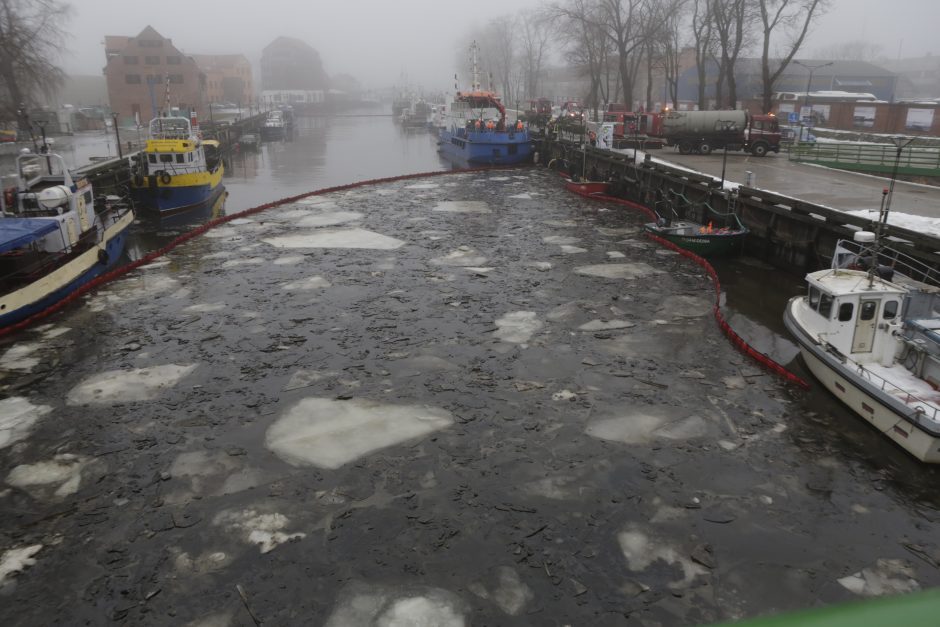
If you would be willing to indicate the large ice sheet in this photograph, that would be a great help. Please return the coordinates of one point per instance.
(328, 433)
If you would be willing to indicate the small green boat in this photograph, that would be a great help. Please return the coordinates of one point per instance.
(701, 239)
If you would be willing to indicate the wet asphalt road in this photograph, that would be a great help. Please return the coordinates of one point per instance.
(420, 402)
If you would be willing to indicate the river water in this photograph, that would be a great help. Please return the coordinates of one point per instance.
(463, 399)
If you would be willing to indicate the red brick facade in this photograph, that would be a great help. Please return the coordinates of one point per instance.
(142, 70)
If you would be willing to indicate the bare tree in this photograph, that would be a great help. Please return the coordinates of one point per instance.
(732, 20)
(587, 45)
(673, 16)
(703, 40)
(498, 57)
(31, 38)
(791, 20)
(627, 25)
(536, 34)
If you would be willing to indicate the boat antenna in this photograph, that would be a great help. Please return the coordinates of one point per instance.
(474, 66)
(900, 143)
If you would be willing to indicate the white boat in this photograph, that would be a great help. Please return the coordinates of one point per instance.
(869, 331)
(55, 236)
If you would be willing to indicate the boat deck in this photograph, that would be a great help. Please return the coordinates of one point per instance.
(914, 392)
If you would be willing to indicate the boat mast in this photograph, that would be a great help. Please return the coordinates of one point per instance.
(474, 66)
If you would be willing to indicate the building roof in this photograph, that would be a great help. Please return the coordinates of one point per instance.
(288, 42)
(844, 69)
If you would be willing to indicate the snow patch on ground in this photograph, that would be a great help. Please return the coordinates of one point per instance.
(328, 433)
(337, 238)
(17, 417)
(124, 386)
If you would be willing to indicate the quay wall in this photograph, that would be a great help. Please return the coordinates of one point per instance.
(791, 234)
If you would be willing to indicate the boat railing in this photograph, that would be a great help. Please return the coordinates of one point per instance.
(849, 253)
(923, 410)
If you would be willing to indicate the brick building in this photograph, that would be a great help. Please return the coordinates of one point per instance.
(228, 78)
(141, 71)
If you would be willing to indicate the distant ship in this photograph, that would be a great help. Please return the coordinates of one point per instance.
(476, 131)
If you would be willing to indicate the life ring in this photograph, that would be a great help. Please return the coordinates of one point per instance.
(165, 177)
(9, 197)
(103, 256)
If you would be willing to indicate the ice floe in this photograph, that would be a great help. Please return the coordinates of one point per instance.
(265, 529)
(153, 265)
(309, 283)
(463, 256)
(506, 589)
(572, 250)
(680, 306)
(61, 476)
(618, 270)
(422, 186)
(606, 325)
(17, 417)
(462, 206)
(329, 218)
(306, 378)
(642, 551)
(21, 357)
(124, 386)
(613, 254)
(885, 577)
(247, 261)
(365, 605)
(205, 307)
(522, 196)
(336, 238)
(517, 327)
(288, 260)
(643, 427)
(541, 266)
(318, 202)
(561, 239)
(16, 560)
(223, 232)
(328, 433)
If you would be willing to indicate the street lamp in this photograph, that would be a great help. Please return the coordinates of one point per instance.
(809, 83)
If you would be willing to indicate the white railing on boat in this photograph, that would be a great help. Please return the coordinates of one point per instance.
(923, 410)
(852, 253)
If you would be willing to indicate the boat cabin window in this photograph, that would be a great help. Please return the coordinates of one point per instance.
(152, 158)
(825, 306)
(813, 297)
(180, 158)
(869, 309)
(845, 312)
(891, 310)
(166, 158)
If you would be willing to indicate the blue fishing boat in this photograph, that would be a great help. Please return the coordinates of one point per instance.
(54, 236)
(476, 131)
(177, 171)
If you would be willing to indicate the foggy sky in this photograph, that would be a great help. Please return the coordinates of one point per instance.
(377, 40)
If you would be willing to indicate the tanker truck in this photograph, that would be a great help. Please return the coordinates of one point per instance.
(705, 131)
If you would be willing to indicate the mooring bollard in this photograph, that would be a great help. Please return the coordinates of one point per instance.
(749, 178)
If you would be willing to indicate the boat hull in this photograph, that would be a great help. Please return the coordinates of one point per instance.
(57, 285)
(183, 193)
(490, 148)
(863, 398)
(706, 244)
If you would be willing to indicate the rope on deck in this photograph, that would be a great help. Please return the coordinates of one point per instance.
(736, 340)
(196, 232)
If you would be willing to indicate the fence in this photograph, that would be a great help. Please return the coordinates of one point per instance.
(874, 158)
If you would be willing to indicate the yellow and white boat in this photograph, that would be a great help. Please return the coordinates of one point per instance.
(178, 170)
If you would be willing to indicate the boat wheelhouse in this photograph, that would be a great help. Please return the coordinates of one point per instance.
(870, 333)
(177, 171)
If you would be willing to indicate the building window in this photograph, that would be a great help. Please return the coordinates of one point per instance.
(173, 60)
(176, 79)
(152, 60)
(130, 60)
(132, 79)
(154, 78)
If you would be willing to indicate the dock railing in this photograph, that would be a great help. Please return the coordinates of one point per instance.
(874, 158)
